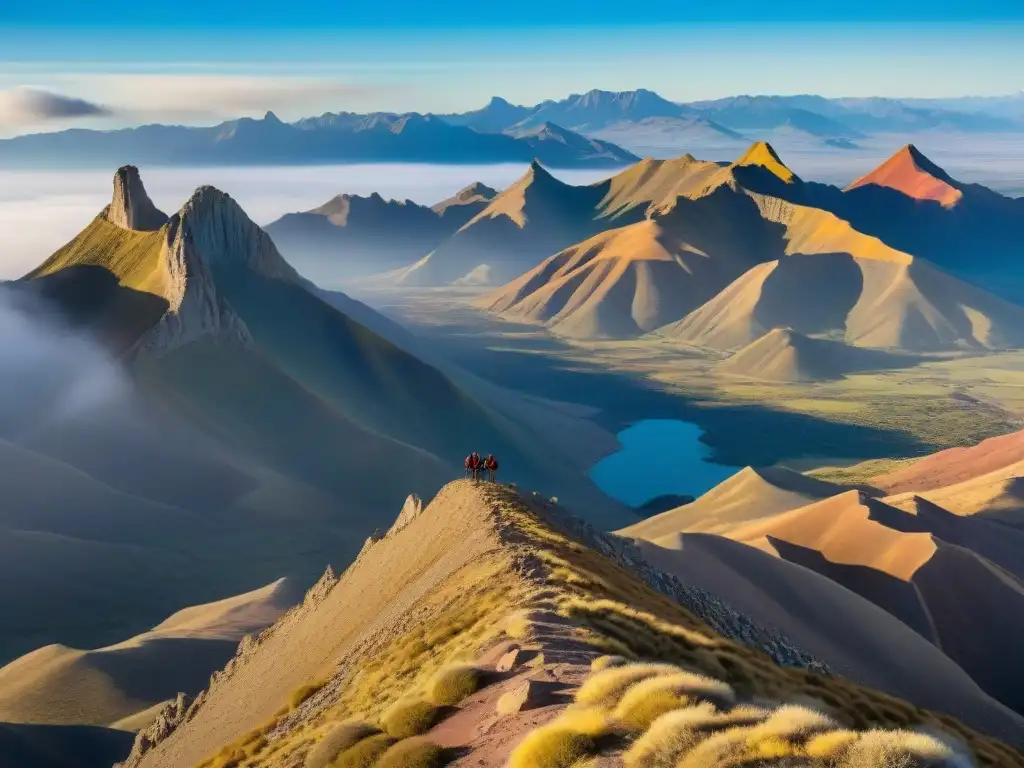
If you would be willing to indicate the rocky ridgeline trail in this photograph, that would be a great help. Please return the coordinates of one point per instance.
(717, 615)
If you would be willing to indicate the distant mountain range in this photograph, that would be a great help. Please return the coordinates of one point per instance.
(330, 138)
(597, 111)
(581, 130)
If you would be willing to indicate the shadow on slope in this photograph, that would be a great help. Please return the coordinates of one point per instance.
(61, 746)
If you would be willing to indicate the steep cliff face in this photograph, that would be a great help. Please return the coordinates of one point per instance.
(210, 234)
(131, 207)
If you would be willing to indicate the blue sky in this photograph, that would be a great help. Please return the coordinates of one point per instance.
(203, 60)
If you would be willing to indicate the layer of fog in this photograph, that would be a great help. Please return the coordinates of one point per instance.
(50, 374)
(42, 210)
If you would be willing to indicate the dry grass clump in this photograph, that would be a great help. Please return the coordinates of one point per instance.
(831, 744)
(564, 742)
(673, 734)
(898, 749)
(605, 688)
(518, 625)
(648, 699)
(411, 717)
(337, 740)
(365, 753)
(453, 683)
(606, 661)
(412, 753)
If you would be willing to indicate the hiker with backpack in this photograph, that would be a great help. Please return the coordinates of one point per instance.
(491, 465)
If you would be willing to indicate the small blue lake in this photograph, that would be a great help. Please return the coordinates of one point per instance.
(659, 457)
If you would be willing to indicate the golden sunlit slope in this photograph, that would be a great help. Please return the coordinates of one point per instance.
(955, 580)
(998, 495)
(983, 479)
(748, 495)
(66, 686)
(619, 284)
(914, 175)
(955, 465)
(655, 183)
(868, 302)
(785, 355)
(531, 592)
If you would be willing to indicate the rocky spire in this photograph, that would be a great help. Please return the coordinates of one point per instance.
(210, 234)
(131, 207)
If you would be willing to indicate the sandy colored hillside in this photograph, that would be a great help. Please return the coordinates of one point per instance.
(939, 573)
(526, 578)
(748, 495)
(619, 284)
(998, 495)
(785, 355)
(58, 685)
(869, 302)
(955, 465)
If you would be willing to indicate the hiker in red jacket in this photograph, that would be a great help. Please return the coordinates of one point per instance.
(491, 465)
(469, 466)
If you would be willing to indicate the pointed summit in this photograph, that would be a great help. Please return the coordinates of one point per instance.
(131, 207)
(210, 236)
(914, 175)
(762, 154)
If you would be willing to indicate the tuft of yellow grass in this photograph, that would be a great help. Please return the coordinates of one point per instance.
(412, 753)
(648, 699)
(606, 687)
(792, 722)
(897, 749)
(365, 753)
(830, 744)
(410, 717)
(606, 661)
(562, 743)
(336, 741)
(518, 625)
(453, 683)
(673, 734)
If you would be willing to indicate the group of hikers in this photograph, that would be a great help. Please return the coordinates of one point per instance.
(481, 469)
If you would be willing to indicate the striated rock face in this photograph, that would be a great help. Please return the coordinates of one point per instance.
(209, 233)
(131, 207)
(173, 714)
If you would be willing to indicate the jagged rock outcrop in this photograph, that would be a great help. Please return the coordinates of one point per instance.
(173, 714)
(131, 207)
(209, 234)
(411, 509)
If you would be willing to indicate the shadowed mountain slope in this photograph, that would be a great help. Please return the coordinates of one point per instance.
(526, 578)
(246, 426)
(940, 574)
